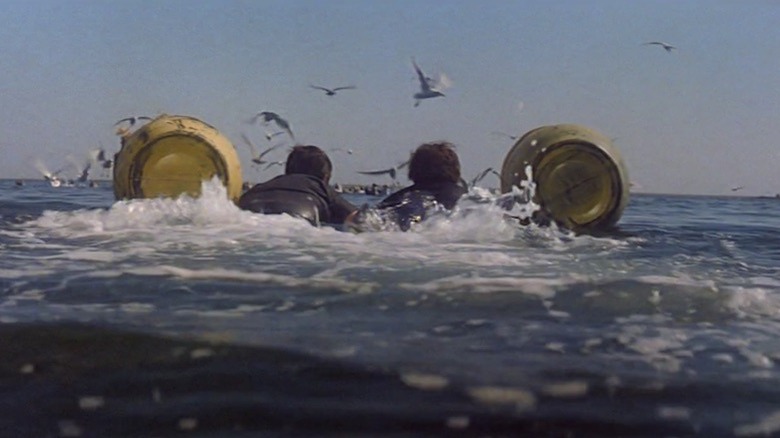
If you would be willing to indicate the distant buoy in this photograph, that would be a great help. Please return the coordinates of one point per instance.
(581, 180)
(173, 155)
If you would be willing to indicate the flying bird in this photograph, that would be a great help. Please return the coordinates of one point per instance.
(94, 157)
(133, 120)
(332, 91)
(275, 163)
(482, 175)
(504, 134)
(257, 158)
(84, 176)
(270, 135)
(429, 87)
(346, 151)
(393, 171)
(98, 157)
(737, 188)
(666, 46)
(268, 116)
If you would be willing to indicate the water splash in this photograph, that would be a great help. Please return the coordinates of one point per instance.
(209, 232)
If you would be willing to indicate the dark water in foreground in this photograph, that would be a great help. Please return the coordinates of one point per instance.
(189, 317)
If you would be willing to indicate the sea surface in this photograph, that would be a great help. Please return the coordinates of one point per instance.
(189, 317)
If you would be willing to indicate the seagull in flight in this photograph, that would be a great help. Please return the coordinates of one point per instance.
(269, 116)
(429, 87)
(332, 91)
(270, 135)
(95, 157)
(737, 188)
(482, 175)
(275, 163)
(257, 158)
(346, 151)
(666, 46)
(133, 120)
(98, 156)
(84, 175)
(393, 171)
(504, 134)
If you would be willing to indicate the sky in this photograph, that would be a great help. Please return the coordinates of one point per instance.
(698, 120)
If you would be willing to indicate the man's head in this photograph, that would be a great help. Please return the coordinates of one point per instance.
(309, 160)
(434, 162)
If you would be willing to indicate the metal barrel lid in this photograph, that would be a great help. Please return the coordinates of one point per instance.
(581, 180)
(172, 155)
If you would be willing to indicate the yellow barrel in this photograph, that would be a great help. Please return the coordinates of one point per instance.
(581, 180)
(171, 156)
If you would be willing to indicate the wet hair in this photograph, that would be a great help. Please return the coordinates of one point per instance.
(434, 162)
(309, 160)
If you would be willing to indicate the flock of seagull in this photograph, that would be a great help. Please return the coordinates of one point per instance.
(429, 88)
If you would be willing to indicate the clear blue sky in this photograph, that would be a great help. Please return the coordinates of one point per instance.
(699, 120)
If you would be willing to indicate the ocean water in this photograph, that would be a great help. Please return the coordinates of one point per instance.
(189, 317)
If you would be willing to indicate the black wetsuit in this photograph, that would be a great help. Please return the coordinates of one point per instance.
(298, 195)
(410, 204)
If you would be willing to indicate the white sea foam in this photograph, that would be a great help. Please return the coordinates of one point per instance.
(476, 234)
(679, 413)
(256, 277)
(521, 398)
(660, 347)
(764, 427)
(543, 288)
(90, 255)
(567, 389)
(473, 250)
(473, 222)
(681, 280)
(10, 274)
(754, 302)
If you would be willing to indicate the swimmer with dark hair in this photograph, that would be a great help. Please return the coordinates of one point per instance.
(434, 168)
(303, 191)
